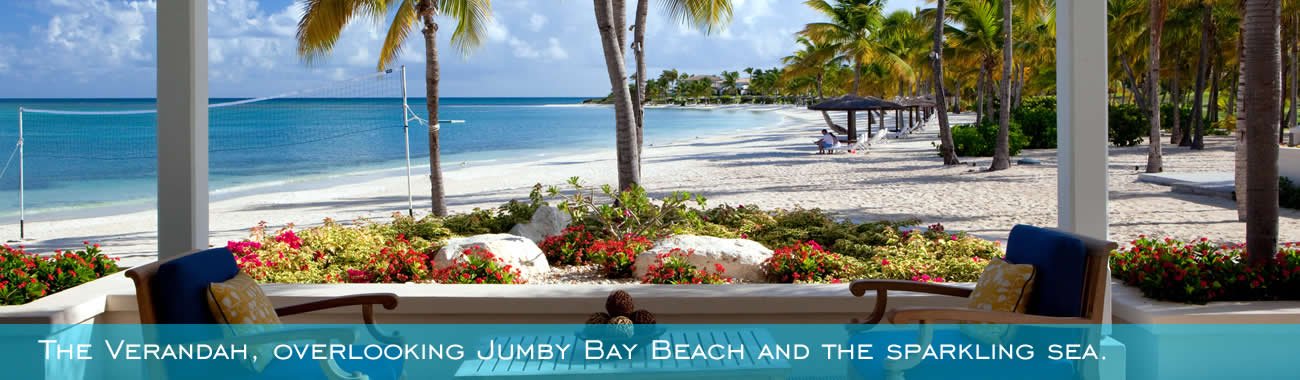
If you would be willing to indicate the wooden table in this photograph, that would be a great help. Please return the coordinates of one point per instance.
(640, 365)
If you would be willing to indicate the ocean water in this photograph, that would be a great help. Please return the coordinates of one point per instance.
(79, 161)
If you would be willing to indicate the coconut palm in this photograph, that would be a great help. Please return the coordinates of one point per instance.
(610, 22)
(850, 28)
(811, 61)
(730, 83)
(1155, 24)
(323, 21)
(946, 146)
(1263, 105)
(1002, 147)
(703, 14)
(977, 40)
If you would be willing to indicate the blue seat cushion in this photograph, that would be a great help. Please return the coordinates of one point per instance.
(1038, 368)
(180, 286)
(1059, 261)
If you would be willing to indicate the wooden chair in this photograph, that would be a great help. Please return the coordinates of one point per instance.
(172, 298)
(1069, 289)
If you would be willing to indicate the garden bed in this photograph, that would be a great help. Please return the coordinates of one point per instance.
(597, 236)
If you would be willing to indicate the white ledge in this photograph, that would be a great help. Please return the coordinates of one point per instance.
(1129, 306)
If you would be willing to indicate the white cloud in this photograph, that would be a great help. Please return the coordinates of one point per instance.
(497, 30)
(536, 22)
(554, 51)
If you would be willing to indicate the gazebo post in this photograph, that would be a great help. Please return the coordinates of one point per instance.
(853, 126)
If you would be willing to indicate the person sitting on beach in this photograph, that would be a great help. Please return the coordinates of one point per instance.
(827, 141)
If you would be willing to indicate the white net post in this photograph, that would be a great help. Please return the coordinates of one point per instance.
(406, 135)
(22, 177)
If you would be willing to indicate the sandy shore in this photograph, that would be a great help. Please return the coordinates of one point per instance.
(770, 167)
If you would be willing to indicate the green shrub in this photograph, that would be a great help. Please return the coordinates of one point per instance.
(932, 256)
(1037, 119)
(1199, 272)
(744, 220)
(569, 247)
(1288, 194)
(477, 265)
(25, 277)
(496, 221)
(334, 253)
(804, 263)
(1167, 117)
(617, 256)
(980, 140)
(629, 211)
(1128, 125)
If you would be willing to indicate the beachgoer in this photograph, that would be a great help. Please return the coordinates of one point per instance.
(827, 141)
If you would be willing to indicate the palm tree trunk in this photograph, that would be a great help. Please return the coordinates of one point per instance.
(638, 49)
(1177, 100)
(1263, 103)
(1239, 153)
(946, 147)
(432, 75)
(857, 77)
(979, 93)
(1290, 122)
(1216, 72)
(1002, 147)
(1155, 162)
(629, 173)
(1198, 126)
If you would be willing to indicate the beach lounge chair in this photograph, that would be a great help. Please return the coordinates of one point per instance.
(849, 145)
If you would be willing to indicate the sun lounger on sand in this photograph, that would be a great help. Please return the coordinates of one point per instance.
(849, 145)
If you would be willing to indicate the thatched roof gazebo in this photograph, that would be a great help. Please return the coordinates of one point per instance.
(852, 104)
(923, 105)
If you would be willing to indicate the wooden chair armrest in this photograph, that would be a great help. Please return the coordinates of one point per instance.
(367, 302)
(882, 288)
(959, 314)
(860, 287)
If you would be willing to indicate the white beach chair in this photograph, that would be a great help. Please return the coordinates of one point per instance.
(858, 144)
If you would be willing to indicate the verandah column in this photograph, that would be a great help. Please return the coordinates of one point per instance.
(1081, 79)
(182, 127)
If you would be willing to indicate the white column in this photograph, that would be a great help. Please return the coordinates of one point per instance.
(182, 127)
(1081, 96)
(1081, 80)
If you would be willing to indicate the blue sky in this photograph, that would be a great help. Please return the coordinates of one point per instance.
(106, 48)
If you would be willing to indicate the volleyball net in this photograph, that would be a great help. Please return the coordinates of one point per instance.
(69, 154)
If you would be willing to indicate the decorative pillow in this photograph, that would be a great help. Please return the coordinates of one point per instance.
(1002, 287)
(240, 305)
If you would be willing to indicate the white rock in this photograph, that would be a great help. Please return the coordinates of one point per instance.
(515, 251)
(546, 222)
(742, 259)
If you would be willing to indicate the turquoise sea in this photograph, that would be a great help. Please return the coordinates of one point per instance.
(79, 161)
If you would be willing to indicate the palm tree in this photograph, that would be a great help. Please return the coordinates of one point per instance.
(322, 22)
(730, 83)
(1002, 147)
(946, 146)
(812, 61)
(1202, 66)
(851, 25)
(978, 42)
(1155, 24)
(703, 14)
(1263, 103)
(609, 13)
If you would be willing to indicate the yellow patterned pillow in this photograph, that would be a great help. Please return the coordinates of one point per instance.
(240, 305)
(1002, 287)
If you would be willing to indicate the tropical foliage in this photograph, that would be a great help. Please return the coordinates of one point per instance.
(26, 276)
(1201, 271)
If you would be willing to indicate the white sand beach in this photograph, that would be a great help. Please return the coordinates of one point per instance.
(771, 167)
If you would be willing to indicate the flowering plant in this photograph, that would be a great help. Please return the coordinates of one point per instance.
(618, 256)
(569, 247)
(24, 276)
(804, 262)
(674, 267)
(1201, 271)
(477, 265)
